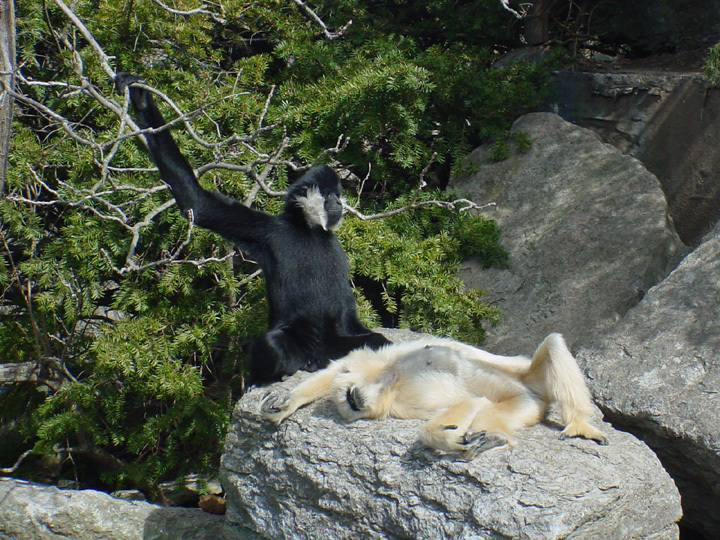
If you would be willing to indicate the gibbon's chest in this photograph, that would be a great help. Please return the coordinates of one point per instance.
(423, 394)
(427, 380)
(306, 255)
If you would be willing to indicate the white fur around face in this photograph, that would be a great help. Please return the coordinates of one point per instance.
(313, 206)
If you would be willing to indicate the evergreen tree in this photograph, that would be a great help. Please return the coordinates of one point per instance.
(125, 327)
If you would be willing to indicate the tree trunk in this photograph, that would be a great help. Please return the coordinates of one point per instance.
(7, 78)
(536, 23)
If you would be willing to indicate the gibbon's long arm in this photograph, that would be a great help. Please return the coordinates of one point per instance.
(319, 385)
(211, 210)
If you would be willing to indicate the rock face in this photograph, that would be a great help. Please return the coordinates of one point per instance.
(35, 512)
(669, 121)
(586, 227)
(315, 477)
(658, 374)
(587, 244)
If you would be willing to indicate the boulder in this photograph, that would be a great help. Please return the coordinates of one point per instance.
(658, 374)
(316, 477)
(586, 227)
(670, 121)
(36, 512)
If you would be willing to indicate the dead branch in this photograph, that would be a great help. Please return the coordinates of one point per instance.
(104, 58)
(259, 169)
(506, 5)
(197, 11)
(461, 205)
(314, 17)
(10, 470)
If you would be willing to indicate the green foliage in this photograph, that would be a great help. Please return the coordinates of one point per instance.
(410, 261)
(712, 64)
(500, 150)
(148, 350)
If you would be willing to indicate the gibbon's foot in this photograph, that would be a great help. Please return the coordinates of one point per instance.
(476, 442)
(274, 406)
(585, 430)
(355, 398)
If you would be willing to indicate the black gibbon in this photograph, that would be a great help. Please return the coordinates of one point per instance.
(312, 315)
(472, 400)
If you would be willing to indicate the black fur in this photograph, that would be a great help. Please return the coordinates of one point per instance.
(312, 316)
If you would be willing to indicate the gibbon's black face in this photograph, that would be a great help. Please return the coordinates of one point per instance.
(319, 195)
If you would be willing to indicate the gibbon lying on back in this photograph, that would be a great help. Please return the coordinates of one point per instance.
(473, 400)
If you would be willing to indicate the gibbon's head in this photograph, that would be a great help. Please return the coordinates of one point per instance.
(352, 398)
(361, 390)
(317, 197)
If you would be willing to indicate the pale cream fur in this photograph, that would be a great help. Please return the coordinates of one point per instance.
(473, 400)
(313, 207)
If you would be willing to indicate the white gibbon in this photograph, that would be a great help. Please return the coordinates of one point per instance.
(472, 400)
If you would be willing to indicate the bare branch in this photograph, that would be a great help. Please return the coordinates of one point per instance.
(313, 16)
(197, 11)
(187, 13)
(104, 58)
(10, 470)
(506, 6)
(185, 118)
(260, 169)
(461, 205)
(52, 115)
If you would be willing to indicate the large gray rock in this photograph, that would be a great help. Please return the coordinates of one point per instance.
(36, 512)
(315, 477)
(669, 121)
(586, 228)
(658, 374)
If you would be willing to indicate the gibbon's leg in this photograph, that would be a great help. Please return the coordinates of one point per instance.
(271, 357)
(512, 365)
(277, 407)
(555, 376)
(451, 430)
(478, 424)
(283, 351)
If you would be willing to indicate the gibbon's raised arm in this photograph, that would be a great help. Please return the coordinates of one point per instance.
(211, 210)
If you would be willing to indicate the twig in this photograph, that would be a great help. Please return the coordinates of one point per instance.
(104, 58)
(463, 204)
(197, 11)
(506, 5)
(64, 123)
(326, 31)
(10, 470)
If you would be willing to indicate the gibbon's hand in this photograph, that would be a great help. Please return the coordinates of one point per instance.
(139, 99)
